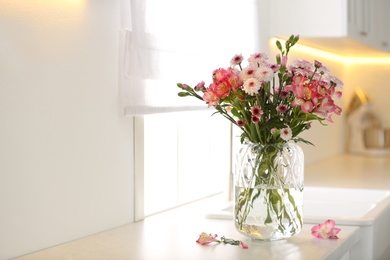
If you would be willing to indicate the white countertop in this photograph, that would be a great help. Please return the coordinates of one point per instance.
(350, 171)
(172, 235)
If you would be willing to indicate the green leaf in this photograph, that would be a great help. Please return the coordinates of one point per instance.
(253, 132)
(183, 94)
(279, 45)
(299, 139)
(235, 112)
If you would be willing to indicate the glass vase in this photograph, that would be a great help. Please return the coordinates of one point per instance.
(268, 191)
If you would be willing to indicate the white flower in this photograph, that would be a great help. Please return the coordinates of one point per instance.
(286, 133)
(252, 86)
(257, 58)
(248, 72)
(264, 74)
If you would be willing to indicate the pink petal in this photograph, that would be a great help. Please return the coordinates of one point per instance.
(243, 246)
(336, 230)
(307, 107)
(333, 233)
(315, 231)
(329, 224)
(205, 239)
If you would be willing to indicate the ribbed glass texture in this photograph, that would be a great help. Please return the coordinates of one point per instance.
(269, 182)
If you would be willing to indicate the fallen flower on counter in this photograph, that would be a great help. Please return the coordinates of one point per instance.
(205, 239)
(326, 230)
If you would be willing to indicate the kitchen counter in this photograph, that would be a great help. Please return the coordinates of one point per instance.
(171, 235)
(350, 171)
(359, 175)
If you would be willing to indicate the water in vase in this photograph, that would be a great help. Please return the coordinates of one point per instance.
(268, 214)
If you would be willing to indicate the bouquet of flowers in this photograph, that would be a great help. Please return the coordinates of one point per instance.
(272, 103)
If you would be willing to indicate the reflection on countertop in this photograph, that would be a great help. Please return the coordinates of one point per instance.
(350, 171)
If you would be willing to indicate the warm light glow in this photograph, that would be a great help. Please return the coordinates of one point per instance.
(343, 59)
(44, 14)
(42, 3)
(44, 8)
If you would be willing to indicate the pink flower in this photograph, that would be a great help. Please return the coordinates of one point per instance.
(234, 79)
(205, 239)
(286, 133)
(284, 93)
(271, 102)
(282, 108)
(221, 89)
(334, 81)
(302, 66)
(251, 86)
(241, 123)
(248, 72)
(284, 60)
(219, 75)
(256, 111)
(255, 119)
(264, 73)
(258, 58)
(199, 86)
(326, 230)
(274, 67)
(210, 98)
(317, 64)
(303, 97)
(237, 59)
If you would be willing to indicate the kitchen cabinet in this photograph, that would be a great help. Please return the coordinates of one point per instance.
(308, 18)
(382, 22)
(362, 20)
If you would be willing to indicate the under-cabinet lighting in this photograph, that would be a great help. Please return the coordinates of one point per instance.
(340, 58)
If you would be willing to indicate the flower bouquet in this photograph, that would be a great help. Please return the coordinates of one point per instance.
(272, 103)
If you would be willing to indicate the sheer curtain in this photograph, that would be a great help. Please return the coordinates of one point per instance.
(164, 42)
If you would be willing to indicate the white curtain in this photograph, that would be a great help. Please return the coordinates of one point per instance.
(164, 42)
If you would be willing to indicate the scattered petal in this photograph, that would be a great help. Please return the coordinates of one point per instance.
(243, 245)
(205, 239)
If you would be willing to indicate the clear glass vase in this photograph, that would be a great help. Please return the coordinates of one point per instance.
(268, 191)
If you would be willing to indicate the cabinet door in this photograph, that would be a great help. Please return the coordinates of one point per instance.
(382, 24)
(308, 18)
(359, 20)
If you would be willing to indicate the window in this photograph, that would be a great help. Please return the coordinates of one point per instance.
(186, 157)
(185, 43)
(179, 156)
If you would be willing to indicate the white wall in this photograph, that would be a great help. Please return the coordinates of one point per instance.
(373, 79)
(66, 152)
